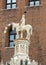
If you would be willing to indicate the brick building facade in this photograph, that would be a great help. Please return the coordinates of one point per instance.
(35, 16)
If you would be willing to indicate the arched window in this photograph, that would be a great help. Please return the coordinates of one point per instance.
(10, 4)
(12, 36)
(34, 2)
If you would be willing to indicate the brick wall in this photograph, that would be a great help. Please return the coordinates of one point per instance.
(35, 16)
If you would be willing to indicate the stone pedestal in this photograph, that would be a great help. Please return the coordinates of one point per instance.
(21, 53)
